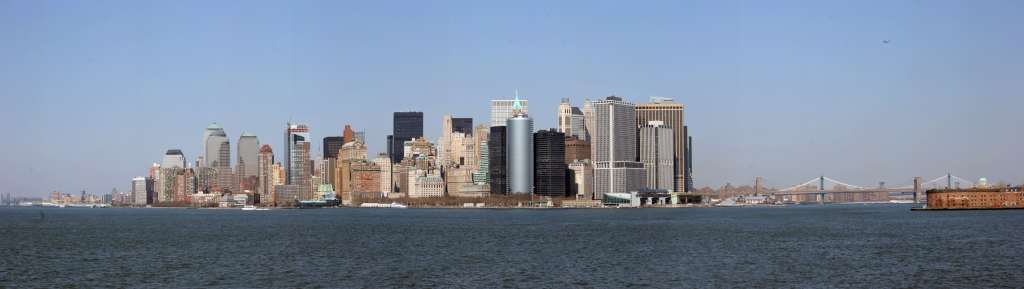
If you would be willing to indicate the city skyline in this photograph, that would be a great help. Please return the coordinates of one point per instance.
(843, 103)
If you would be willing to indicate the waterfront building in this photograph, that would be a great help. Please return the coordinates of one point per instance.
(174, 158)
(582, 184)
(139, 191)
(405, 127)
(428, 185)
(247, 166)
(386, 170)
(265, 182)
(365, 180)
(482, 175)
(614, 148)
(656, 153)
(671, 114)
(519, 145)
(576, 149)
(496, 154)
(981, 197)
(332, 145)
(502, 109)
(549, 163)
(298, 169)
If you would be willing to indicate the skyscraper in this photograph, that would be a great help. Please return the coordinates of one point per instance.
(671, 114)
(656, 153)
(247, 168)
(174, 158)
(613, 147)
(139, 191)
(298, 169)
(519, 145)
(218, 156)
(331, 146)
(496, 160)
(348, 134)
(405, 127)
(501, 110)
(570, 120)
(462, 125)
(549, 163)
(384, 163)
(265, 185)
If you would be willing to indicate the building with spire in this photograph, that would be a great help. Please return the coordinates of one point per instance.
(503, 109)
(519, 145)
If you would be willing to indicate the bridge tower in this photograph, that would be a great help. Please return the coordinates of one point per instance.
(821, 187)
(949, 181)
(917, 190)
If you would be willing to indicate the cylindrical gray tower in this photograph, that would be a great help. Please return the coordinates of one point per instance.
(519, 144)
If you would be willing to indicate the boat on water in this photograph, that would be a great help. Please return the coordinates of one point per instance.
(254, 208)
(379, 205)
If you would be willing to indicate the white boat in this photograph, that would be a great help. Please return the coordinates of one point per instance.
(379, 205)
(253, 208)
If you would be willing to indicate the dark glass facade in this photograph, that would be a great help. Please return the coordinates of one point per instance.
(496, 156)
(331, 146)
(405, 127)
(549, 177)
(463, 125)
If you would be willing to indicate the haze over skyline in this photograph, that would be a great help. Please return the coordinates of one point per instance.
(864, 91)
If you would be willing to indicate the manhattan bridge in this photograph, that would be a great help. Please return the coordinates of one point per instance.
(825, 189)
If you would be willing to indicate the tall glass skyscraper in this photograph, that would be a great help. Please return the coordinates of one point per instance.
(519, 145)
(405, 127)
(614, 148)
(247, 167)
(549, 164)
(496, 155)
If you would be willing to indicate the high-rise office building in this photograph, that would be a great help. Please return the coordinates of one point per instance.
(331, 146)
(405, 127)
(656, 153)
(689, 161)
(496, 160)
(519, 146)
(218, 156)
(247, 168)
(588, 120)
(582, 185)
(576, 149)
(174, 158)
(463, 125)
(549, 163)
(348, 134)
(208, 150)
(481, 135)
(502, 110)
(298, 168)
(386, 169)
(671, 114)
(614, 148)
(570, 120)
(265, 186)
(139, 191)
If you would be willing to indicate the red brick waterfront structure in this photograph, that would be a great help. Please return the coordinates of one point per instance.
(966, 199)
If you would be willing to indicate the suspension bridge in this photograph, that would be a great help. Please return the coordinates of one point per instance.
(817, 187)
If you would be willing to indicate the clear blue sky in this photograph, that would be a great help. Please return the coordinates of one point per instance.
(95, 91)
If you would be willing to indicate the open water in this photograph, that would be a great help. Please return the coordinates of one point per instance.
(865, 246)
